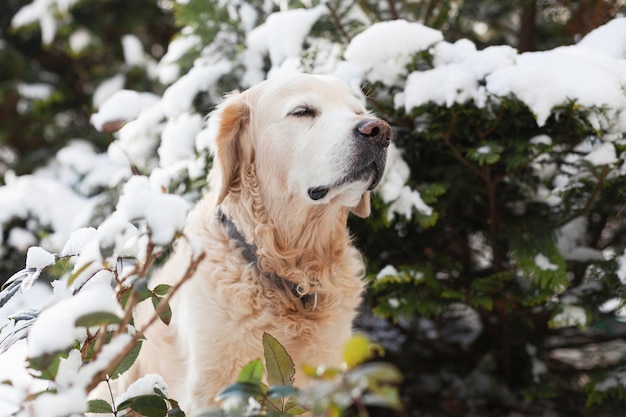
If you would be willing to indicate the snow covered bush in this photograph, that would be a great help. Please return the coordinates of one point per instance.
(496, 245)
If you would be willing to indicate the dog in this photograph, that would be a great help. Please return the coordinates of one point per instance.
(293, 156)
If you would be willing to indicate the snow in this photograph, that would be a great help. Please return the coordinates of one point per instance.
(543, 263)
(143, 386)
(542, 80)
(609, 38)
(445, 85)
(39, 258)
(281, 37)
(60, 404)
(386, 41)
(178, 138)
(387, 271)
(77, 241)
(123, 105)
(55, 329)
(402, 199)
(21, 239)
(603, 155)
(46, 200)
(134, 55)
(168, 68)
(43, 12)
(165, 214)
(35, 91)
(90, 170)
(570, 315)
(613, 379)
(621, 271)
(180, 95)
(570, 242)
(79, 40)
(107, 88)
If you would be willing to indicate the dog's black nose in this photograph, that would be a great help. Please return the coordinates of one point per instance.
(376, 131)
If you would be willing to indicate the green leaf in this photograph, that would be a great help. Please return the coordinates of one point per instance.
(280, 367)
(243, 389)
(76, 274)
(99, 406)
(162, 289)
(166, 314)
(175, 412)
(252, 373)
(146, 405)
(128, 361)
(98, 318)
(150, 406)
(47, 364)
(282, 391)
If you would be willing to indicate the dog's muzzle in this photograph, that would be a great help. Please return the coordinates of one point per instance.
(372, 138)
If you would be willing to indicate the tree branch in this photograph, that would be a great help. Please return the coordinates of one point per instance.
(160, 308)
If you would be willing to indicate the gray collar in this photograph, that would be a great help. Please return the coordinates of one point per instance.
(249, 253)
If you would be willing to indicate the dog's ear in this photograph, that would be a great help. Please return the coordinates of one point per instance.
(364, 207)
(230, 153)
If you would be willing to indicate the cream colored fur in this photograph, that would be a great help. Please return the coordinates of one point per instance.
(265, 157)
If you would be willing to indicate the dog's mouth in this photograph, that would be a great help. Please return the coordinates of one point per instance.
(371, 173)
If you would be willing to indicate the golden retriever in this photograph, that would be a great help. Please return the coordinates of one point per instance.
(292, 157)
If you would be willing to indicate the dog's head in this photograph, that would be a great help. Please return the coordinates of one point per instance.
(308, 138)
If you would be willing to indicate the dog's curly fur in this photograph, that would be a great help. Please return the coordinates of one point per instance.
(221, 313)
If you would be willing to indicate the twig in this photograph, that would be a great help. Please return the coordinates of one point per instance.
(392, 9)
(333, 15)
(98, 377)
(592, 198)
(455, 151)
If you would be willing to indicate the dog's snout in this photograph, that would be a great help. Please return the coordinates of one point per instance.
(376, 131)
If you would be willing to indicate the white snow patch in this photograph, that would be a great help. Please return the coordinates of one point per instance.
(39, 258)
(107, 88)
(387, 271)
(603, 155)
(143, 386)
(281, 36)
(35, 91)
(401, 198)
(621, 267)
(609, 38)
(570, 315)
(178, 138)
(386, 41)
(165, 214)
(132, 48)
(47, 201)
(571, 239)
(55, 328)
(79, 40)
(123, 105)
(178, 98)
(444, 85)
(543, 262)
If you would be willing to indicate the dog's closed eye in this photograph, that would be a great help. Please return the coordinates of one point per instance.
(304, 111)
